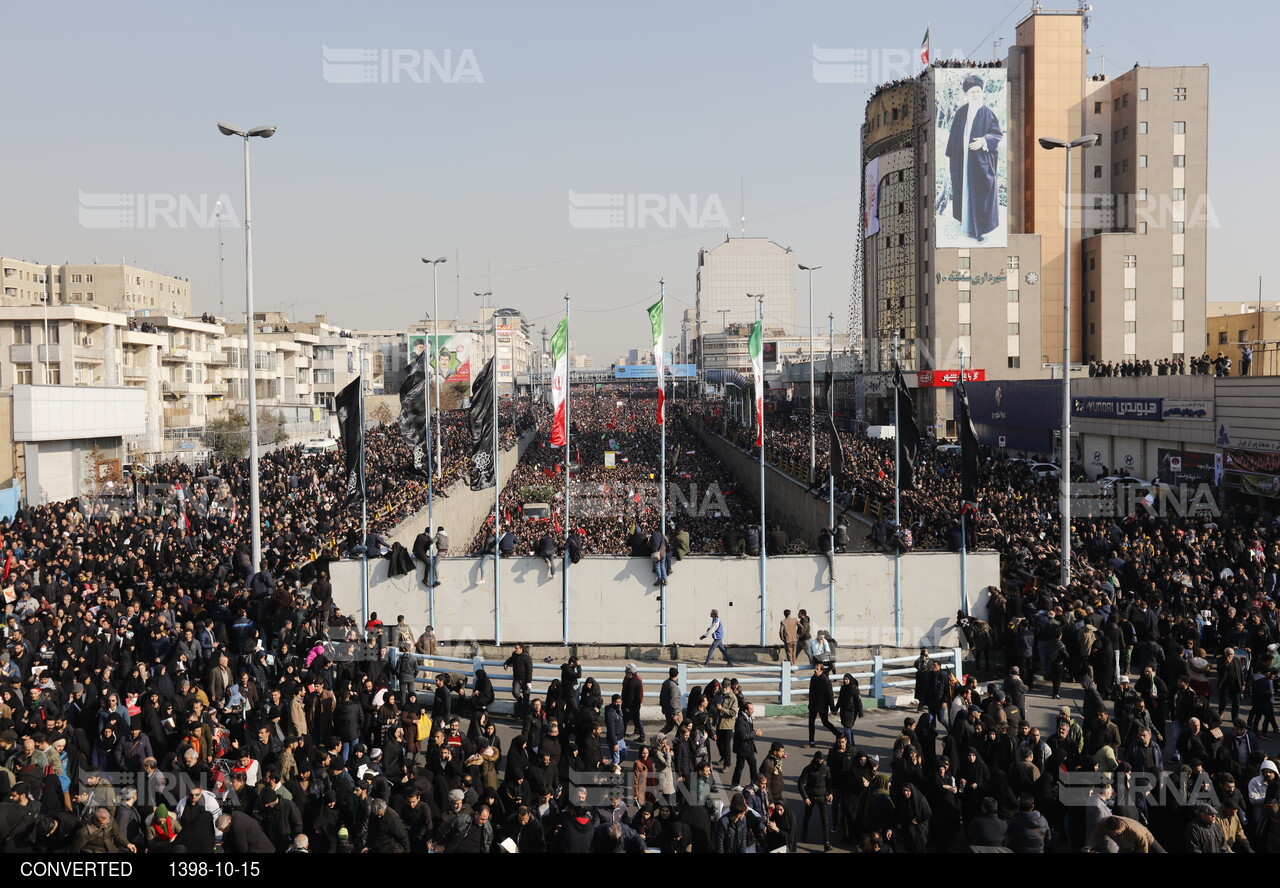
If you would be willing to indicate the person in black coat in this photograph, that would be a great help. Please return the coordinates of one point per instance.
(482, 693)
(821, 702)
(816, 791)
(442, 701)
(521, 666)
(197, 825)
(241, 834)
(849, 705)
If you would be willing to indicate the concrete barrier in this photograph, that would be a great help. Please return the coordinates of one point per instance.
(612, 600)
(463, 510)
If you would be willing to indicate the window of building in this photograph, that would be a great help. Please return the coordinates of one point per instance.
(1142, 161)
(1093, 295)
(1179, 227)
(966, 329)
(965, 296)
(1130, 294)
(53, 376)
(1179, 194)
(1093, 263)
(22, 373)
(1241, 334)
(1142, 127)
(964, 262)
(1142, 194)
(1179, 93)
(1142, 94)
(1179, 127)
(1179, 260)
(1142, 227)
(1014, 263)
(1131, 261)
(22, 334)
(1179, 294)
(1015, 363)
(1131, 326)
(1124, 165)
(1013, 329)
(54, 336)
(1097, 107)
(1124, 101)
(1179, 160)
(1093, 328)
(1222, 337)
(1179, 326)
(1097, 171)
(1115, 106)
(1014, 295)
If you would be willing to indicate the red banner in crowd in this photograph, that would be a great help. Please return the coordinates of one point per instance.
(947, 378)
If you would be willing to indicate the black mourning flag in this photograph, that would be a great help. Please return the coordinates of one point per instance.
(907, 431)
(351, 428)
(413, 417)
(968, 446)
(482, 431)
(837, 451)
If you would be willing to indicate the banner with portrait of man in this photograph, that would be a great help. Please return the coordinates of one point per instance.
(971, 179)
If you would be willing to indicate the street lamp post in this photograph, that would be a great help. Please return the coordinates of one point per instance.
(1064, 474)
(813, 447)
(255, 514)
(435, 337)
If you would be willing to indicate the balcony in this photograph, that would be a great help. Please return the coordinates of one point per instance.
(175, 355)
(135, 372)
(21, 354)
(190, 388)
(50, 354)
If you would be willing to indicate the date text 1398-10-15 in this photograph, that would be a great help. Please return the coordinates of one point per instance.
(221, 868)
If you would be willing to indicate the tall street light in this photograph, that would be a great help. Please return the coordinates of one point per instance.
(1064, 474)
(435, 347)
(813, 448)
(255, 513)
(484, 340)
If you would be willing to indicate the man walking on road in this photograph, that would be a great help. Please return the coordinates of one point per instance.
(716, 631)
(669, 700)
(745, 733)
(521, 666)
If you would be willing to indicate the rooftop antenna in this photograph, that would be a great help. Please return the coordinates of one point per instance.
(995, 49)
(221, 297)
(742, 204)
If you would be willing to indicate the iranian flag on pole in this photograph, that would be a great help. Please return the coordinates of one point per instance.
(755, 346)
(560, 382)
(924, 47)
(655, 320)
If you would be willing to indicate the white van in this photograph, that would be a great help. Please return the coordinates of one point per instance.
(316, 446)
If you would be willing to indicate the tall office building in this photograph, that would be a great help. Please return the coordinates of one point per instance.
(964, 215)
(742, 265)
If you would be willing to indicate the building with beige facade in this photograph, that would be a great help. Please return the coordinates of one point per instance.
(1139, 218)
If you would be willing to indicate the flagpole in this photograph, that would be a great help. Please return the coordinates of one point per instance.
(430, 574)
(564, 569)
(831, 473)
(662, 477)
(764, 592)
(964, 542)
(497, 495)
(364, 505)
(897, 501)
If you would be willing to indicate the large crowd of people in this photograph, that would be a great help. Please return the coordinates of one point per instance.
(159, 695)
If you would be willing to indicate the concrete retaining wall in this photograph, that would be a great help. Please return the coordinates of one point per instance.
(464, 509)
(613, 599)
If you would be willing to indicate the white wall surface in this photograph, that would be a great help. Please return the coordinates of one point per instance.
(71, 412)
(613, 599)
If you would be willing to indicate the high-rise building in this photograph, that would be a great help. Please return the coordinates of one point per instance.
(112, 287)
(741, 266)
(964, 215)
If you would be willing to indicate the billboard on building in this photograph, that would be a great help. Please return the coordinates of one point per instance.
(450, 354)
(971, 175)
(871, 190)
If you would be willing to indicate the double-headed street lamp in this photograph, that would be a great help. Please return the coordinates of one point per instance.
(435, 347)
(255, 514)
(1064, 474)
(813, 448)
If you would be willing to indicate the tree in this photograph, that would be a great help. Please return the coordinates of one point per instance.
(228, 436)
(271, 427)
(382, 413)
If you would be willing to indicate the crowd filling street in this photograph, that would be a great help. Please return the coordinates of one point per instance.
(159, 695)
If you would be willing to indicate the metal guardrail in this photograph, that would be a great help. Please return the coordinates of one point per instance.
(784, 681)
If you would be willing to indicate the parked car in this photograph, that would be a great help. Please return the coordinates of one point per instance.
(1044, 470)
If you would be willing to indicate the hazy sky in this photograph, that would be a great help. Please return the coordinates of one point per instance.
(656, 99)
